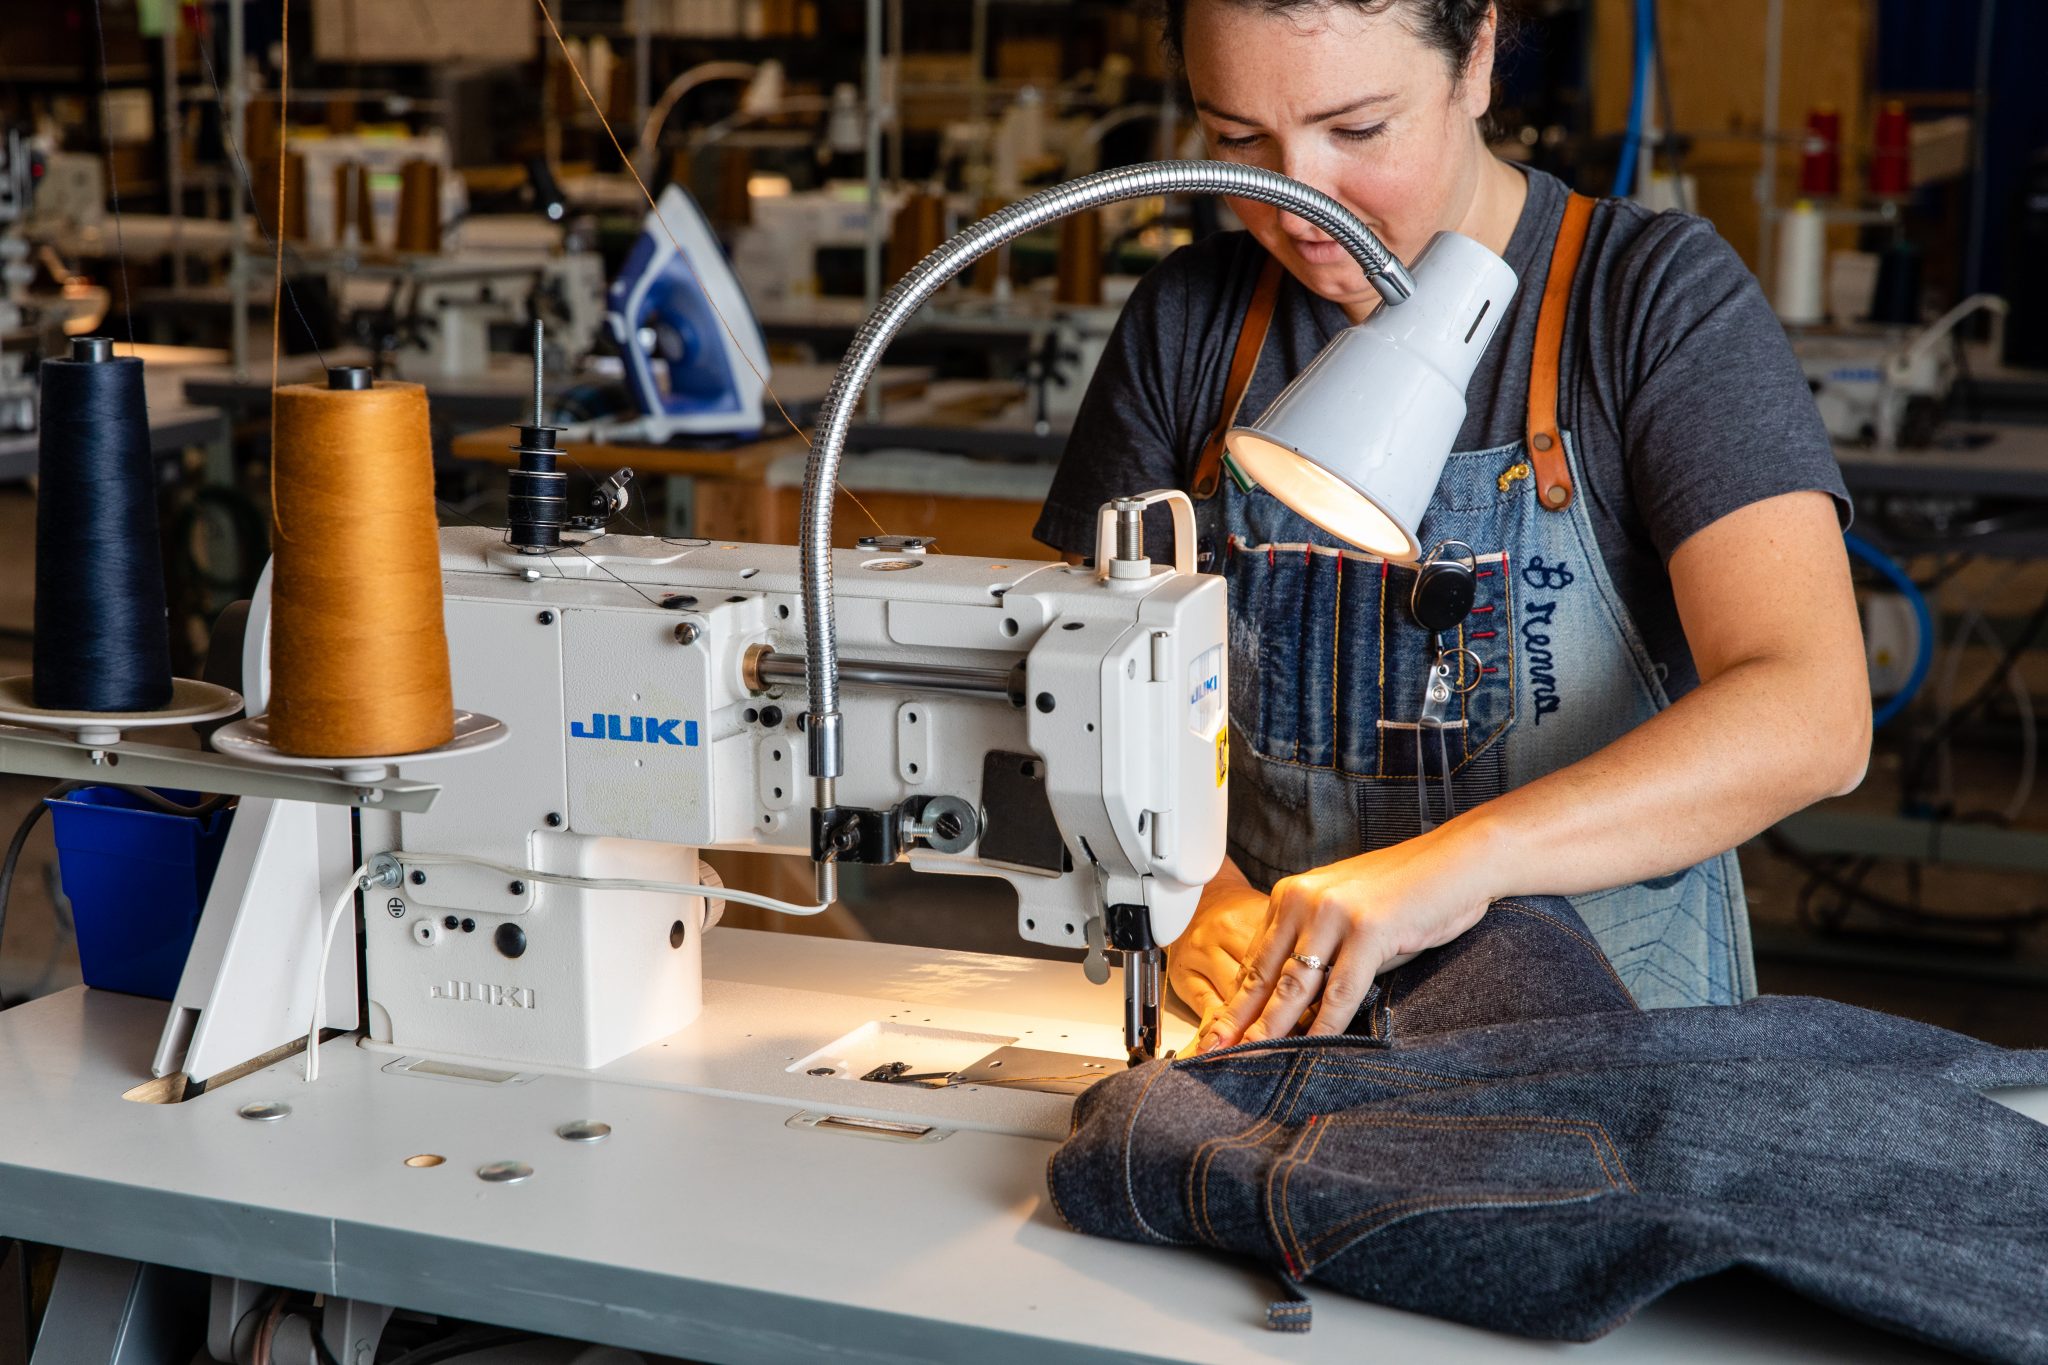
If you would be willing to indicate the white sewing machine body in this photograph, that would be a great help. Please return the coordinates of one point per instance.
(630, 750)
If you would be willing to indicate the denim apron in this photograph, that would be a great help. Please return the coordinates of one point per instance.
(1327, 673)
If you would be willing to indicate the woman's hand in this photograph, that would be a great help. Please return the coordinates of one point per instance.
(1361, 916)
(1205, 964)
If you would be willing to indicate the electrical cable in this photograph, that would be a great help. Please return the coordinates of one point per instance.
(460, 1343)
(1632, 138)
(11, 862)
(610, 883)
(1916, 770)
(1923, 654)
(13, 858)
(1673, 149)
(2023, 704)
(359, 880)
(24, 1288)
(1975, 625)
(1944, 703)
(1852, 888)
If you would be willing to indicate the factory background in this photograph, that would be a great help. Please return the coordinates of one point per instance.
(1881, 165)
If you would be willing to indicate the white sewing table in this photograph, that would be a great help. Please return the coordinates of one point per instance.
(707, 1226)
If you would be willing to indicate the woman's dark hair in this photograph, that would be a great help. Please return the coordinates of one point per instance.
(1452, 27)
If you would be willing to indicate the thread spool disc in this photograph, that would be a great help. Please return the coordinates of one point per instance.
(248, 740)
(191, 701)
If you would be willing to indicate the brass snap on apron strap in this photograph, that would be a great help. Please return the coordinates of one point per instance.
(1546, 443)
(1251, 339)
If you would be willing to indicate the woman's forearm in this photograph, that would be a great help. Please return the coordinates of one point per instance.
(1736, 755)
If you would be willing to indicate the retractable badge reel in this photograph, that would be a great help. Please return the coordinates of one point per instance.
(1446, 582)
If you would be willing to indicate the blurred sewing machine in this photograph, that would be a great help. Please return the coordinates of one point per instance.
(34, 322)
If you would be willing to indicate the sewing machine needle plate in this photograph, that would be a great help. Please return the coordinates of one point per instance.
(1026, 1068)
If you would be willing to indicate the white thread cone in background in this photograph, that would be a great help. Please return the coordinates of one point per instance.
(1802, 266)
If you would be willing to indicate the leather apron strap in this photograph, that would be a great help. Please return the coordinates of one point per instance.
(1546, 443)
(1251, 339)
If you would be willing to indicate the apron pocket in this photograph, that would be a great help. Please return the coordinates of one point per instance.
(1324, 652)
(1285, 645)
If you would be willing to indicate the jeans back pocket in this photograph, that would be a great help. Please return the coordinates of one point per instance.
(1349, 1175)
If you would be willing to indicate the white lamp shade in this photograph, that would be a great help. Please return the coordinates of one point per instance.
(1357, 443)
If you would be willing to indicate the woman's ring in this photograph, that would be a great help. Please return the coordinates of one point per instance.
(1310, 961)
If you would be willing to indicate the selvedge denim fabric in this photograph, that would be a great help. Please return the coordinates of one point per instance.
(1508, 1142)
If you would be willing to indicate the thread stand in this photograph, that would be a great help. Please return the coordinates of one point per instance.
(537, 491)
(248, 741)
(191, 702)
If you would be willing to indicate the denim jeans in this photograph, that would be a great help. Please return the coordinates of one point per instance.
(1508, 1142)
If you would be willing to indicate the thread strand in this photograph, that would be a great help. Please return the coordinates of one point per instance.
(248, 186)
(99, 27)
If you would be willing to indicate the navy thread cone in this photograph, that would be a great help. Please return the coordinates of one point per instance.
(102, 637)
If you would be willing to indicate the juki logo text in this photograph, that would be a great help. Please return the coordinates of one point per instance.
(636, 729)
(483, 993)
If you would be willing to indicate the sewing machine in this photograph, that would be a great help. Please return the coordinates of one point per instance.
(1056, 727)
(18, 175)
(1887, 386)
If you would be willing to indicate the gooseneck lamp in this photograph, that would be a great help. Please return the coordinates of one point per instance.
(1355, 444)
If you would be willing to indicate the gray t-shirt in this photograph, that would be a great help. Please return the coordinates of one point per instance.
(1678, 386)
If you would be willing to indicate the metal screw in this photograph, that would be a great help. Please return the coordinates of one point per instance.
(948, 826)
(584, 1130)
(554, 819)
(517, 888)
(771, 716)
(822, 1071)
(265, 1111)
(687, 633)
(546, 618)
(419, 878)
(504, 1172)
(451, 924)
(469, 926)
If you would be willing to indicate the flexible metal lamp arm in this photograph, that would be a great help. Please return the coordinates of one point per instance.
(821, 477)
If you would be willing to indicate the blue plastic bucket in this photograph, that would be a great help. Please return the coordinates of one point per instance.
(137, 879)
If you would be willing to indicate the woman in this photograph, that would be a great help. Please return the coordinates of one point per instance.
(1663, 657)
